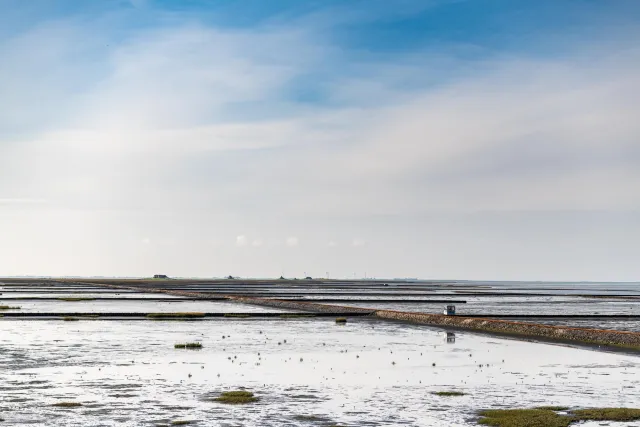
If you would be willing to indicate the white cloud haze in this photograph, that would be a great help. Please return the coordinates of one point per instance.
(129, 157)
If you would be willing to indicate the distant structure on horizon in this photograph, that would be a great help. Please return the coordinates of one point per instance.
(160, 276)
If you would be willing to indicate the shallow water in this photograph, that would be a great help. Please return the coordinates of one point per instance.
(123, 306)
(82, 294)
(54, 290)
(630, 288)
(127, 373)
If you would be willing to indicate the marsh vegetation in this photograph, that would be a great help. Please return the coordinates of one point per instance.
(448, 393)
(540, 417)
(189, 345)
(296, 315)
(236, 397)
(67, 404)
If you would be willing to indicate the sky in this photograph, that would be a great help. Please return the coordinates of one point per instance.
(435, 139)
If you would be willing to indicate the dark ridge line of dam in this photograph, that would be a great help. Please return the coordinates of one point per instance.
(81, 299)
(277, 294)
(554, 316)
(48, 291)
(89, 299)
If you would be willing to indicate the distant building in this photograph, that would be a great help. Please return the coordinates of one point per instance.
(160, 276)
(450, 310)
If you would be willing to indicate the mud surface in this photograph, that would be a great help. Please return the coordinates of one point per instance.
(310, 373)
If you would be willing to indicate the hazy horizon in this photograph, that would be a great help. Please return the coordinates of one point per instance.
(480, 140)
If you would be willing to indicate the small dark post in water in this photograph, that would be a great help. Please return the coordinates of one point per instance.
(450, 310)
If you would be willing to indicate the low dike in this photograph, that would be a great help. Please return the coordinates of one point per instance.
(629, 341)
(598, 337)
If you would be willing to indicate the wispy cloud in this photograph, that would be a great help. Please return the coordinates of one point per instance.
(194, 129)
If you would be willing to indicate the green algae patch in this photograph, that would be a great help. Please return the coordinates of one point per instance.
(75, 299)
(182, 422)
(67, 404)
(544, 417)
(341, 320)
(236, 397)
(448, 393)
(309, 418)
(8, 307)
(523, 418)
(607, 414)
(77, 318)
(296, 315)
(238, 315)
(175, 316)
(191, 345)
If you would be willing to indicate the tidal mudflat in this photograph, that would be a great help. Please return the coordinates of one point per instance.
(303, 372)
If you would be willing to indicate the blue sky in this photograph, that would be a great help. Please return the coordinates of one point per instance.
(485, 139)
